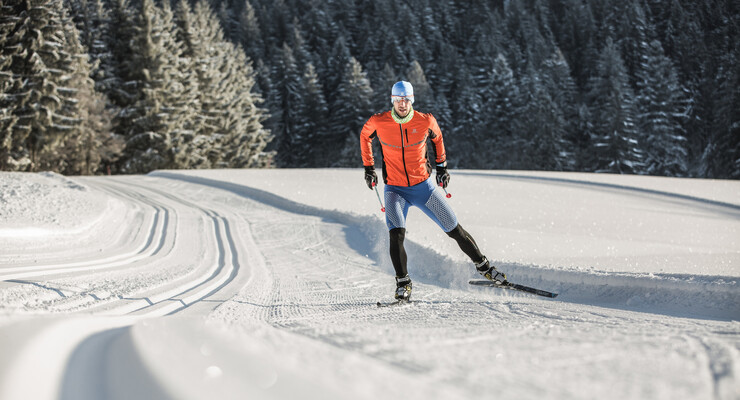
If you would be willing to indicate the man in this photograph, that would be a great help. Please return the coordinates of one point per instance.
(403, 134)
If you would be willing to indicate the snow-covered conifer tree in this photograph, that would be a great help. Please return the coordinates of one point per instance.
(82, 150)
(352, 106)
(501, 139)
(158, 125)
(93, 20)
(661, 107)
(119, 83)
(250, 33)
(314, 126)
(335, 63)
(288, 84)
(11, 154)
(38, 69)
(615, 145)
(467, 122)
(423, 92)
(543, 125)
(245, 138)
(382, 84)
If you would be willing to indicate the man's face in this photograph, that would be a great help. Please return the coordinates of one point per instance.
(402, 105)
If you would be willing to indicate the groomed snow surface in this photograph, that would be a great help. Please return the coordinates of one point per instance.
(262, 284)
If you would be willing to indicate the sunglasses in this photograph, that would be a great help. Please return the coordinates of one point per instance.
(402, 98)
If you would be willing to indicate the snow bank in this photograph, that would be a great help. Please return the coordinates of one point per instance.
(33, 205)
(41, 357)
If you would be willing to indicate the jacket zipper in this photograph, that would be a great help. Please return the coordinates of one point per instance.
(403, 153)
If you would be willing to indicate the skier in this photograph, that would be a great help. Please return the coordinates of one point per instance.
(403, 133)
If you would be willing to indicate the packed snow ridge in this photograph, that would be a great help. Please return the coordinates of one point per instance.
(237, 283)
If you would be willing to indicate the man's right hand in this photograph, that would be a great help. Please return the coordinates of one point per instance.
(443, 177)
(370, 177)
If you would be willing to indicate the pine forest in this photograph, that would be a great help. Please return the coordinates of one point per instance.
(129, 86)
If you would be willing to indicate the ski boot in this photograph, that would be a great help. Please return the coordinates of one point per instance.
(403, 288)
(490, 272)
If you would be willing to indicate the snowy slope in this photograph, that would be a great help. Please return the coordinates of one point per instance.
(262, 284)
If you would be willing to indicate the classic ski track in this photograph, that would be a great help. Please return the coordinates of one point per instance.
(169, 297)
(61, 296)
(105, 238)
(221, 270)
(144, 247)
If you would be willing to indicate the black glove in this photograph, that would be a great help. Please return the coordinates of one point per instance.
(370, 177)
(443, 178)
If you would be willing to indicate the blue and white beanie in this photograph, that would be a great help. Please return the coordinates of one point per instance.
(403, 89)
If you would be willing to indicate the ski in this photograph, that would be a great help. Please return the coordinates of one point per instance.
(393, 303)
(513, 286)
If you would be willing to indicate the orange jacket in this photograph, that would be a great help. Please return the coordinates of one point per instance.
(404, 147)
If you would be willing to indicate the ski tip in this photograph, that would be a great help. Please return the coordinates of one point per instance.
(514, 286)
(481, 282)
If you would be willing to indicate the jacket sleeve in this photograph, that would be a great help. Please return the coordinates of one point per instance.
(436, 135)
(366, 143)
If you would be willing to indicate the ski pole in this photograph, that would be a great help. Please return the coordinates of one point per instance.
(443, 188)
(382, 207)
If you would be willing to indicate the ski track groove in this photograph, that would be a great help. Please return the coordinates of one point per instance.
(156, 244)
(159, 221)
(720, 362)
(160, 244)
(218, 275)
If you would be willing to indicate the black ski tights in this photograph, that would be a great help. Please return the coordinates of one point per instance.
(466, 243)
(398, 253)
(461, 236)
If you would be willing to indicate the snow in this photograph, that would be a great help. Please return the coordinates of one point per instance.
(221, 284)
(46, 203)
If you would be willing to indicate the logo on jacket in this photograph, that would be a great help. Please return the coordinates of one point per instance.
(414, 131)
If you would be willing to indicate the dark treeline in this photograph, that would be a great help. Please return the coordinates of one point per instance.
(622, 86)
(92, 86)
